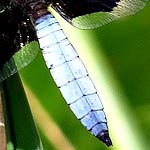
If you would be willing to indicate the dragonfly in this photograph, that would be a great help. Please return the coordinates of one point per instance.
(25, 21)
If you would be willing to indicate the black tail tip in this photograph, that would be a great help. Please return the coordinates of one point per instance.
(104, 137)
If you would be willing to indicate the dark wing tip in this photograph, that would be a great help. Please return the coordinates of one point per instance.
(104, 137)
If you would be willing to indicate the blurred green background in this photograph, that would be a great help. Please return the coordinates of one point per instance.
(117, 57)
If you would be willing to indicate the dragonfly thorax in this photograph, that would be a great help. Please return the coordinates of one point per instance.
(32, 8)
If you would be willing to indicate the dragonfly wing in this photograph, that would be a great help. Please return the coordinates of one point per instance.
(17, 42)
(88, 14)
(71, 77)
(19, 60)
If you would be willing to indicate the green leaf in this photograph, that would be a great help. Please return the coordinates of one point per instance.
(21, 132)
(22, 128)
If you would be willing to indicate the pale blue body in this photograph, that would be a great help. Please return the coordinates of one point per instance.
(70, 75)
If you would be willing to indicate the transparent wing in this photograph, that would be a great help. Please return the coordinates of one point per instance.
(103, 12)
(123, 9)
(18, 46)
(19, 60)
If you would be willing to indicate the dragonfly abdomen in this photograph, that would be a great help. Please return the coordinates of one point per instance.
(71, 77)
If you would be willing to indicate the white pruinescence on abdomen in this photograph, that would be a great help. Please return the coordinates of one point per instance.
(70, 75)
